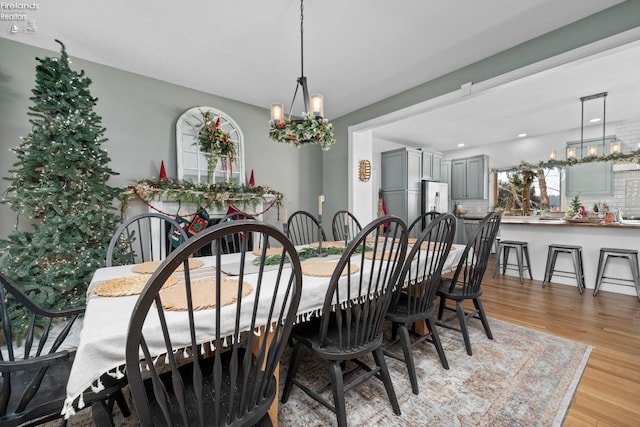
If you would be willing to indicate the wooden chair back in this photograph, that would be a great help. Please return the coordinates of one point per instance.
(303, 228)
(345, 226)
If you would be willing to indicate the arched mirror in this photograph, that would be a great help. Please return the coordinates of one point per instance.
(193, 161)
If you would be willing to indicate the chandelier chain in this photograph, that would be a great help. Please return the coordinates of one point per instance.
(301, 37)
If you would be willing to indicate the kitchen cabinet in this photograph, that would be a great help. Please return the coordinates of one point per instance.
(470, 178)
(431, 166)
(401, 171)
(593, 179)
(589, 179)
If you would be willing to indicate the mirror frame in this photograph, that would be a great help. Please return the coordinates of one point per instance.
(187, 129)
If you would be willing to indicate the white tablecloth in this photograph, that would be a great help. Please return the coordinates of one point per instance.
(102, 340)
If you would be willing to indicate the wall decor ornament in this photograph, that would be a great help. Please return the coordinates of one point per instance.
(364, 170)
(215, 141)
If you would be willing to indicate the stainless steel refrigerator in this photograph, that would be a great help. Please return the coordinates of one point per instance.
(434, 196)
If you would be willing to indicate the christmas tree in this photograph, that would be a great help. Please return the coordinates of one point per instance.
(58, 187)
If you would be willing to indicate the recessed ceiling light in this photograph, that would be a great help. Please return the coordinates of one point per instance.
(461, 145)
(597, 119)
(522, 135)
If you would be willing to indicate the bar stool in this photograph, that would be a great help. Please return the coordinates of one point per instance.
(522, 253)
(630, 255)
(578, 266)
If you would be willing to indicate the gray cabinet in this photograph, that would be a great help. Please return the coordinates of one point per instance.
(595, 178)
(431, 166)
(401, 171)
(470, 178)
(590, 179)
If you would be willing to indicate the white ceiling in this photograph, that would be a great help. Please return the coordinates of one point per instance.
(543, 103)
(357, 52)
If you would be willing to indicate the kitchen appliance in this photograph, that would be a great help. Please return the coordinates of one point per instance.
(434, 196)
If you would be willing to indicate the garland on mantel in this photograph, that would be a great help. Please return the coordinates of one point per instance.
(633, 157)
(202, 195)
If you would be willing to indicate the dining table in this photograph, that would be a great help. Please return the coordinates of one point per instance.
(101, 346)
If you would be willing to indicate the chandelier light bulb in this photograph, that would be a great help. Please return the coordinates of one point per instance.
(277, 113)
(317, 105)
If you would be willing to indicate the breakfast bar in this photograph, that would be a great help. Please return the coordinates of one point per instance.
(540, 233)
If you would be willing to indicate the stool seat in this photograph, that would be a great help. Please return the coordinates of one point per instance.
(631, 255)
(578, 266)
(522, 254)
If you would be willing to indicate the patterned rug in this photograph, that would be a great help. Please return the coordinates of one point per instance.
(520, 378)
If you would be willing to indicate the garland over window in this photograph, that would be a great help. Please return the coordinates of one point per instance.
(633, 157)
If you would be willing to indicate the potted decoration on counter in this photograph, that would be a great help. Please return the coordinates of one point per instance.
(215, 142)
(576, 212)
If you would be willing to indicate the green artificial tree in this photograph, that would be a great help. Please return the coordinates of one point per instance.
(59, 188)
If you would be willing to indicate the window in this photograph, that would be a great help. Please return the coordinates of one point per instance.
(524, 192)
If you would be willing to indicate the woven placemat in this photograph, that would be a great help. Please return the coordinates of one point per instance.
(203, 294)
(328, 244)
(150, 267)
(324, 269)
(130, 285)
(270, 251)
(379, 255)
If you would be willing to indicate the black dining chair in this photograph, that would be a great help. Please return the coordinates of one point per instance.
(421, 222)
(36, 361)
(344, 226)
(358, 297)
(233, 243)
(302, 228)
(145, 237)
(467, 280)
(413, 298)
(205, 351)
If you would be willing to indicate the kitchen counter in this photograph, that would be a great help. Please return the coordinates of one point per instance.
(541, 233)
(536, 221)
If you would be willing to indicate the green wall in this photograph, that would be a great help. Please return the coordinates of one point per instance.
(140, 115)
(609, 22)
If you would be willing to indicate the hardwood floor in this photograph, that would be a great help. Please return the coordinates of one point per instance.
(609, 392)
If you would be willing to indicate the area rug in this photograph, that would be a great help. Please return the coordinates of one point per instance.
(520, 378)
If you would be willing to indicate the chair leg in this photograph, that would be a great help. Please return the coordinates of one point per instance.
(443, 302)
(462, 319)
(483, 317)
(294, 363)
(435, 338)
(394, 331)
(118, 396)
(378, 355)
(337, 385)
(408, 358)
(101, 414)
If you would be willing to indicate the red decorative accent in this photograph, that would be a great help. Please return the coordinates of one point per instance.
(252, 182)
(163, 172)
(198, 224)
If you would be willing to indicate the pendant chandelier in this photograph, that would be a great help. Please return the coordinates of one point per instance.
(313, 128)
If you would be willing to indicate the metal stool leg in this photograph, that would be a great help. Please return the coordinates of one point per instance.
(635, 272)
(575, 255)
(520, 266)
(497, 266)
(526, 254)
(547, 268)
(600, 274)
